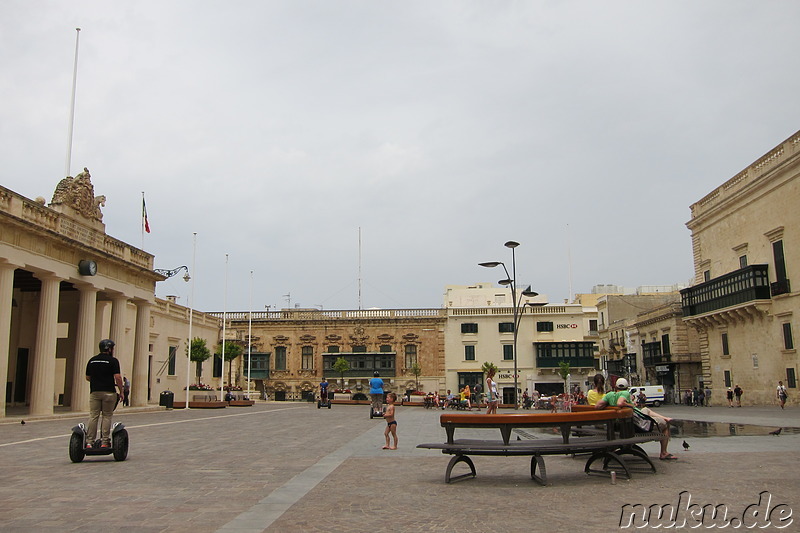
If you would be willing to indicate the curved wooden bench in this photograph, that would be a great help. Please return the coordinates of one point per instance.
(507, 422)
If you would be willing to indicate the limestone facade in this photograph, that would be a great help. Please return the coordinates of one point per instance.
(746, 248)
(293, 349)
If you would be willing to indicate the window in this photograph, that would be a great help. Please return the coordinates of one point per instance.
(780, 262)
(593, 326)
(173, 350)
(359, 348)
(469, 327)
(385, 348)
(727, 378)
(308, 358)
(411, 355)
(217, 366)
(506, 327)
(469, 352)
(665, 344)
(280, 358)
(791, 380)
(788, 342)
(742, 261)
(544, 326)
(706, 275)
(725, 350)
(333, 349)
(508, 352)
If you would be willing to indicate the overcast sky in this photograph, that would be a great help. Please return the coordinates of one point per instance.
(277, 129)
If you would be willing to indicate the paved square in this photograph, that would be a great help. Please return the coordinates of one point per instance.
(291, 466)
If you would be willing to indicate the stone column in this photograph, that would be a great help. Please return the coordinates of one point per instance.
(119, 312)
(6, 306)
(44, 355)
(85, 346)
(139, 381)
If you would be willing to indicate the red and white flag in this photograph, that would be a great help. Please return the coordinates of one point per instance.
(145, 224)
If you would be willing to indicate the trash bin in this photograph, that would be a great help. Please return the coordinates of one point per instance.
(166, 399)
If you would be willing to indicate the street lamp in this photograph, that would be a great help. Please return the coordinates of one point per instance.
(517, 306)
(169, 273)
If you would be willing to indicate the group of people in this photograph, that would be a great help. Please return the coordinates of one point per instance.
(697, 397)
(735, 392)
(621, 397)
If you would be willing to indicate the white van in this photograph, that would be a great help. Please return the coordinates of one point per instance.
(654, 393)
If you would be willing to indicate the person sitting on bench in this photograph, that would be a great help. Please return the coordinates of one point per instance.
(622, 398)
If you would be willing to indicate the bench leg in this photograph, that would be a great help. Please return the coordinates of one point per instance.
(538, 460)
(607, 457)
(638, 453)
(458, 458)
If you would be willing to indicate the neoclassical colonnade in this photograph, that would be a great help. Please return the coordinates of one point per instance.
(55, 320)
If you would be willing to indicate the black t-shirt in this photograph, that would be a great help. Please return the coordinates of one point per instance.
(101, 369)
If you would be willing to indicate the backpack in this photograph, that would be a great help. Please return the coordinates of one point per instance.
(642, 423)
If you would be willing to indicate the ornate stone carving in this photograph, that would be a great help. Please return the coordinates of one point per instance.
(78, 193)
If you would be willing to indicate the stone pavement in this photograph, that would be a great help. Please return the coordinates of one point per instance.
(290, 466)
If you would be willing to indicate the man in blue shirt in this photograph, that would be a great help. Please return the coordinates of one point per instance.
(376, 392)
(323, 390)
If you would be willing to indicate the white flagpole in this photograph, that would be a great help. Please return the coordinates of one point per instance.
(224, 319)
(191, 311)
(72, 106)
(249, 334)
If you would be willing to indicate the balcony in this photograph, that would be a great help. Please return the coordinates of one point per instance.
(574, 362)
(362, 364)
(735, 288)
(780, 287)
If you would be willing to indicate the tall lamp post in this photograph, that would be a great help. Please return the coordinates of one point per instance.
(517, 306)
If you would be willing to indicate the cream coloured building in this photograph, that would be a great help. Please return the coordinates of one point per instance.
(293, 349)
(65, 285)
(480, 328)
(746, 247)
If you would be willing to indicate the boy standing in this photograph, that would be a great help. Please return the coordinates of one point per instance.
(391, 423)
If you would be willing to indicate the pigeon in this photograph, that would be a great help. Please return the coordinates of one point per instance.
(22, 422)
(776, 432)
(518, 438)
(685, 445)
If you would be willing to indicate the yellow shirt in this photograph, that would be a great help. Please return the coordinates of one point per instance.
(592, 397)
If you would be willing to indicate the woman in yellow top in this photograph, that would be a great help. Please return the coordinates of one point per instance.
(467, 394)
(598, 390)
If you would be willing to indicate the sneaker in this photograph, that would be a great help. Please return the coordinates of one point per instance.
(89, 445)
(105, 445)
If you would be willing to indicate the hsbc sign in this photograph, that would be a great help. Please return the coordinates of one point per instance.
(566, 326)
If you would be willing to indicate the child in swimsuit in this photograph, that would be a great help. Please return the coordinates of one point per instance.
(391, 423)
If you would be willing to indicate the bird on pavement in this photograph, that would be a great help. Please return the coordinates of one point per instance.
(22, 422)
(685, 445)
(776, 432)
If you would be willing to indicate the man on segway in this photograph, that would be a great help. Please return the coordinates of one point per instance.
(376, 394)
(103, 375)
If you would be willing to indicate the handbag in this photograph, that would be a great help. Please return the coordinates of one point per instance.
(642, 423)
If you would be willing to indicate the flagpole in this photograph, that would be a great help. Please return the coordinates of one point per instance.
(144, 215)
(191, 310)
(224, 313)
(72, 105)
(249, 334)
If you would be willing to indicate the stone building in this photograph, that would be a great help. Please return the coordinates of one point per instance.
(746, 247)
(293, 349)
(480, 328)
(65, 285)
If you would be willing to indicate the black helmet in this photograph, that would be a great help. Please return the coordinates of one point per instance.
(106, 345)
(376, 374)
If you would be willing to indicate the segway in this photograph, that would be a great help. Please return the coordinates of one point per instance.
(119, 443)
(323, 401)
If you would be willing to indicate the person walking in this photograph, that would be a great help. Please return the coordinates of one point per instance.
(491, 393)
(737, 391)
(729, 395)
(708, 396)
(782, 395)
(103, 375)
(126, 385)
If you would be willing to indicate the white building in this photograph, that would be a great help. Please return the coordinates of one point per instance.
(480, 328)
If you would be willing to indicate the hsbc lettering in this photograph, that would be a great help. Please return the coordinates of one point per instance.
(566, 326)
